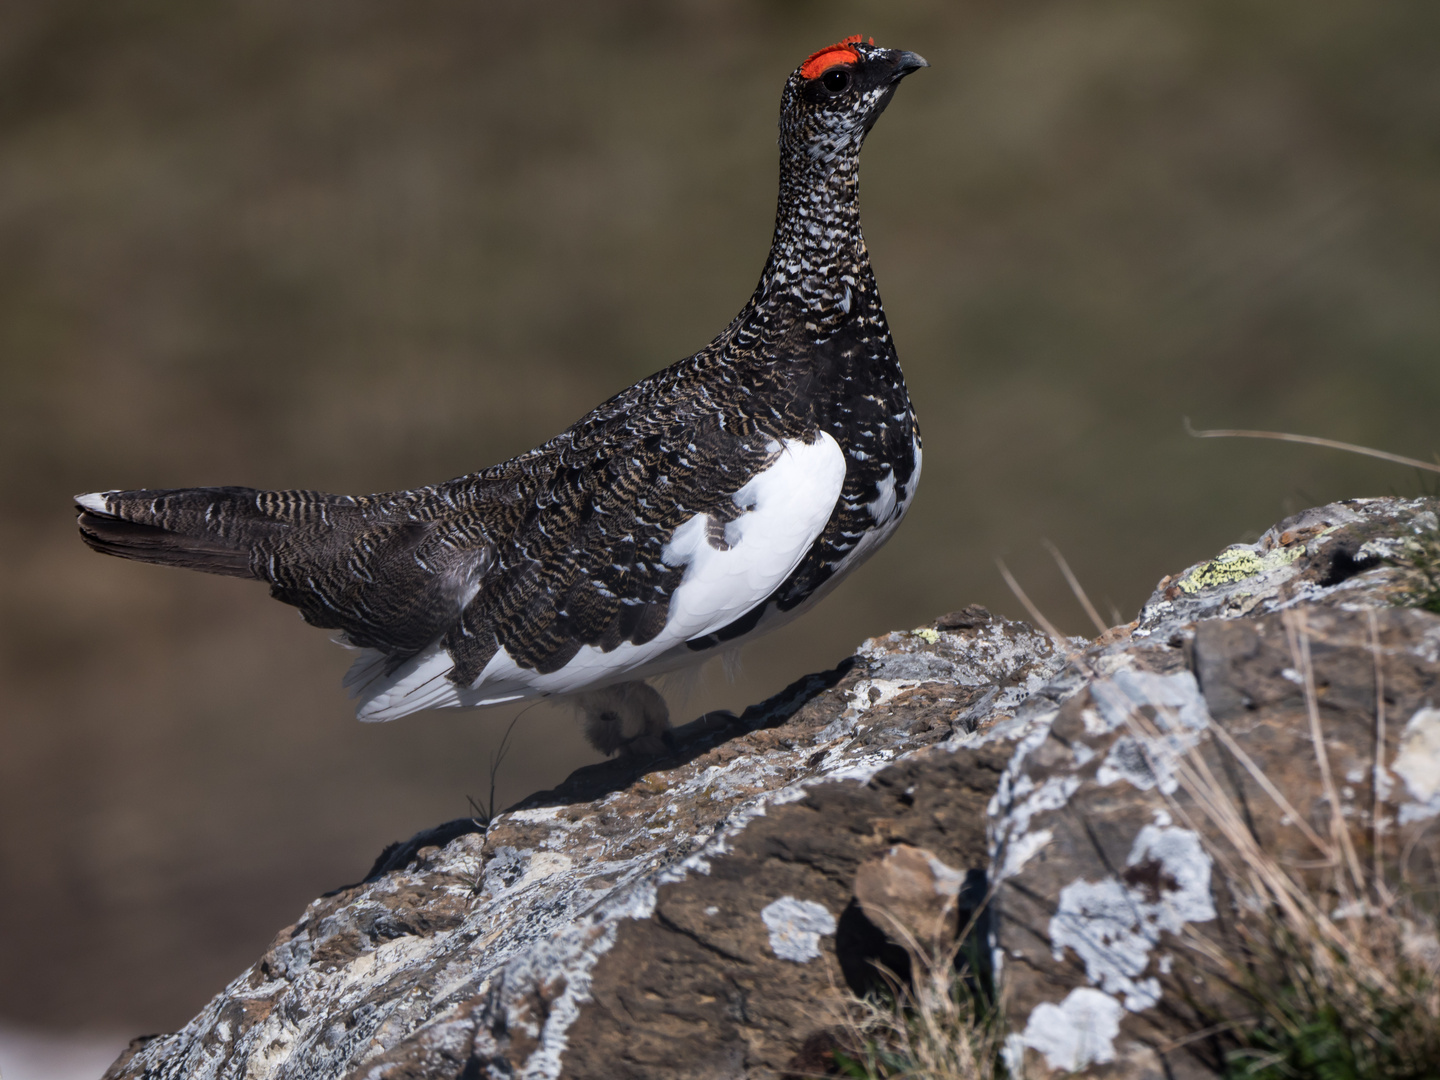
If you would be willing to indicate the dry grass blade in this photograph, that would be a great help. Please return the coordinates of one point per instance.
(1061, 641)
(1075, 586)
(1311, 440)
(1299, 640)
(938, 1025)
(1268, 785)
(1378, 777)
(1266, 875)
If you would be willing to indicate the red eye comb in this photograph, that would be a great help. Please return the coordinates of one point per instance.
(839, 53)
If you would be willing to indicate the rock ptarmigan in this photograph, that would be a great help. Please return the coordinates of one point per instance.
(708, 503)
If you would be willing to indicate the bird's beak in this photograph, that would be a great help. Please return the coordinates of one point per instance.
(905, 63)
(900, 64)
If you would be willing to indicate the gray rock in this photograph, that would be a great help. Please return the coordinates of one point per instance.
(705, 915)
(625, 924)
(1105, 861)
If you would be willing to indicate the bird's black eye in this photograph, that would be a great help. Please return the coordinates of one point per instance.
(836, 80)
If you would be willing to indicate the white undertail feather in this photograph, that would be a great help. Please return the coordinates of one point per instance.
(94, 502)
(679, 684)
(786, 507)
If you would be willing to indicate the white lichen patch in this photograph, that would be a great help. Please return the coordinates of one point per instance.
(1381, 547)
(1175, 699)
(946, 880)
(1022, 850)
(1113, 926)
(1141, 763)
(994, 653)
(537, 815)
(579, 948)
(1175, 707)
(796, 927)
(1417, 762)
(1079, 1031)
(868, 693)
(1029, 800)
(273, 1041)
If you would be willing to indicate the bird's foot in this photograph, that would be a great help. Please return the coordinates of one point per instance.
(629, 718)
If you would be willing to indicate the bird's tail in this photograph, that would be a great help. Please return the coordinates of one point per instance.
(220, 530)
(346, 564)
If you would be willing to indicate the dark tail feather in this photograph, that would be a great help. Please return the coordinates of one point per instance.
(150, 543)
(345, 568)
(217, 530)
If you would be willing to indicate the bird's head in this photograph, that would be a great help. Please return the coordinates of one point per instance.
(833, 99)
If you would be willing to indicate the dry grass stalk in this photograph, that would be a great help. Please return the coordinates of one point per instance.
(1378, 778)
(1298, 637)
(934, 1027)
(1362, 1000)
(1312, 440)
(1076, 587)
(940, 1024)
(1061, 641)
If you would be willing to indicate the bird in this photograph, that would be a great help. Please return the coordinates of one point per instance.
(710, 502)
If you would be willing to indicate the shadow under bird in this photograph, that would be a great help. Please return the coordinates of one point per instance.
(706, 504)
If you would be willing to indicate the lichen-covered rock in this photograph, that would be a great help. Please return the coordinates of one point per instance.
(691, 917)
(704, 915)
(1103, 858)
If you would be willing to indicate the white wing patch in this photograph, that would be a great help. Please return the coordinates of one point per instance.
(792, 501)
(786, 508)
(885, 503)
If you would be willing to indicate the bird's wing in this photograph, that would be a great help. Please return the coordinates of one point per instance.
(626, 550)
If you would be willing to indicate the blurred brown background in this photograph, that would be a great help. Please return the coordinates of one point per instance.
(359, 246)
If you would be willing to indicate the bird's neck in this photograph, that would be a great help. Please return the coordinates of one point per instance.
(818, 254)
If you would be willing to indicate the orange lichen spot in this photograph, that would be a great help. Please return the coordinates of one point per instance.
(817, 63)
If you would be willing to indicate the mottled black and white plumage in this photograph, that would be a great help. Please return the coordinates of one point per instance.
(707, 503)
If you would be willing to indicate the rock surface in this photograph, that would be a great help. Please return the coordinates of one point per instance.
(706, 915)
(1103, 860)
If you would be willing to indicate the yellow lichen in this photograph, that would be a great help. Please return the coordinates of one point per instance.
(926, 634)
(1237, 564)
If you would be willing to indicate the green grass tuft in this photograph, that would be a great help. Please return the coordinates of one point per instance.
(1322, 1016)
(1420, 556)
